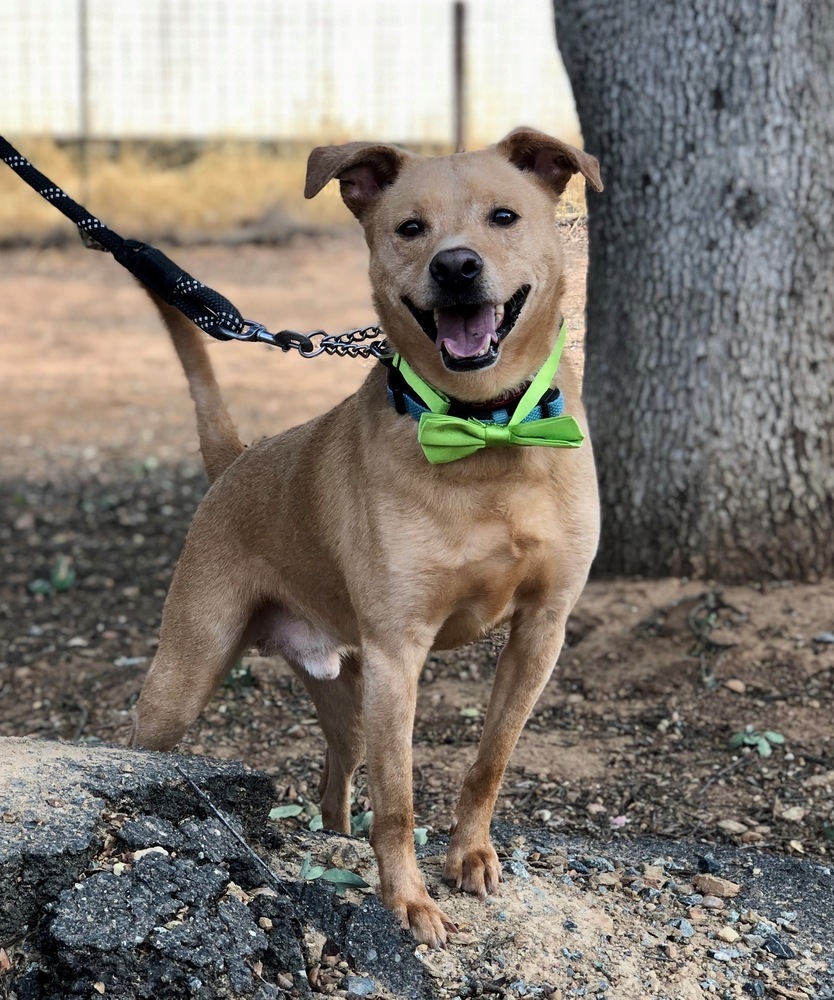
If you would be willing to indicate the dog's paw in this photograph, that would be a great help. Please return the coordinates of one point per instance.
(426, 921)
(475, 869)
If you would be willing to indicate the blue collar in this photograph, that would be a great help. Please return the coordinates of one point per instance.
(405, 400)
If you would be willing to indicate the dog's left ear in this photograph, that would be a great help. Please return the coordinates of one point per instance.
(364, 170)
(552, 160)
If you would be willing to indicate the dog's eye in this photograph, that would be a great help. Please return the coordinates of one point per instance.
(503, 217)
(411, 228)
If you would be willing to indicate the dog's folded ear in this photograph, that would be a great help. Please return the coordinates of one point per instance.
(552, 160)
(364, 170)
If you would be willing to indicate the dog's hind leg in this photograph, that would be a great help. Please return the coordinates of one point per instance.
(205, 628)
(524, 667)
(339, 708)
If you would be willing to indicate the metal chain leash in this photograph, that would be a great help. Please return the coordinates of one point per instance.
(351, 344)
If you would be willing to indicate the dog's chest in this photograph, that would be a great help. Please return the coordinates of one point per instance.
(469, 558)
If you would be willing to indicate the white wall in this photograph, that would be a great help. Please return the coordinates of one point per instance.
(307, 70)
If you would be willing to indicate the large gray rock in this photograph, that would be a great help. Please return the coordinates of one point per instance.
(171, 922)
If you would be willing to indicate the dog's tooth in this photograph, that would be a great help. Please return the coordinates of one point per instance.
(494, 338)
(499, 316)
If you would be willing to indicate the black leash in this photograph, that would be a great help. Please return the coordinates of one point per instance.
(208, 309)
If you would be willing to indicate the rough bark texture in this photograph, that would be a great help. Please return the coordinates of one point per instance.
(710, 354)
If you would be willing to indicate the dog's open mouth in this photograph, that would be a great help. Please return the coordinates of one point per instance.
(469, 336)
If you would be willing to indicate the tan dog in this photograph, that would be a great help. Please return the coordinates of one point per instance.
(339, 546)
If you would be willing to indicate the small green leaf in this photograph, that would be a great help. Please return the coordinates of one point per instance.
(470, 713)
(39, 586)
(773, 737)
(309, 872)
(737, 740)
(752, 738)
(240, 676)
(421, 836)
(361, 823)
(285, 812)
(62, 575)
(764, 747)
(315, 823)
(341, 876)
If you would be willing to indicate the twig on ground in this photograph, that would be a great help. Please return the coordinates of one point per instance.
(273, 878)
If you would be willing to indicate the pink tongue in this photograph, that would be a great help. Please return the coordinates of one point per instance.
(465, 336)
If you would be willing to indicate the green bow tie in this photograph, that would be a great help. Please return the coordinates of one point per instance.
(446, 439)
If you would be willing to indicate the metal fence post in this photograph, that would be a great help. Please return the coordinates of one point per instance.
(459, 76)
(83, 100)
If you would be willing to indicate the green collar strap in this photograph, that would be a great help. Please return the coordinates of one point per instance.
(444, 438)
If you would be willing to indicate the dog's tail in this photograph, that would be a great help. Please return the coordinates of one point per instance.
(219, 441)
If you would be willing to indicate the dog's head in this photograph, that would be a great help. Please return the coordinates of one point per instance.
(466, 266)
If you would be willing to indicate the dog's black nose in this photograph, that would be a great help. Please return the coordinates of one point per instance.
(456, 268)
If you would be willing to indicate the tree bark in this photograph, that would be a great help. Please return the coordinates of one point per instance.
(710, 318)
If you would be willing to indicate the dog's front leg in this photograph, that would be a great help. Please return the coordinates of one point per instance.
(525, 664)
(390, 696)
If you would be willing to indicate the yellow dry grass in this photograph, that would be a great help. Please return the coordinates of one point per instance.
(223, 187)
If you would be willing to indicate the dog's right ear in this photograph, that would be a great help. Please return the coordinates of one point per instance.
(364, 170)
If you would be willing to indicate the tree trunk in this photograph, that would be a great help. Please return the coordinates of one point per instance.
(710, 319)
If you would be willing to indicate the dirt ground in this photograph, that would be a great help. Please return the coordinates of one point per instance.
(100, 475)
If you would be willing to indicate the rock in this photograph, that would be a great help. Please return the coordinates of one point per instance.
(654, 875)
(732, 827)
(517, 868)
(683, 927)
(194, 914)
(735, 685)
(726, 954)
(793, 814)
(712, 885)
(728, 934)
(601, 864)
(51, 848)
(751, 837)
(712, 903)
(708, 864)
(777, 947)
(820, 780)
(359, 986)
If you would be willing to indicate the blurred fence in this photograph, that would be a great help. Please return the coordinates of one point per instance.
(279, 70)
